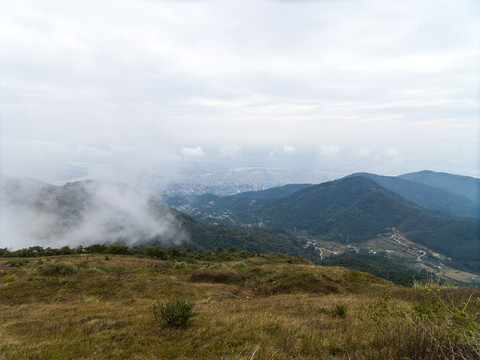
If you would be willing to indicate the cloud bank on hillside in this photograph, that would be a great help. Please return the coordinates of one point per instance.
(84, 213)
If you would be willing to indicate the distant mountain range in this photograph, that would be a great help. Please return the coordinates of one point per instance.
(34, 213)
(465, 186)
(435, 199)
(82, 212)
(351, 210)
(438, 194)
(358, 208)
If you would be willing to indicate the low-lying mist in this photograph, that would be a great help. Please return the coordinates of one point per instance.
(34, 213)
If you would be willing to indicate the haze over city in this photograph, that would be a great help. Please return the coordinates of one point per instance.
(136, 90)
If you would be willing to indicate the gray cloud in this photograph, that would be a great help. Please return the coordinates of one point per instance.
(138, 87)
(35, 213)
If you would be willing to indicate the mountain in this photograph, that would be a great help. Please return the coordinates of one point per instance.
(435, 200)
(356, 209)
(88, 212)
(236, 201)
(349, 211)
(465, 186)
(82, 212)
(272, 193)
(352, 210)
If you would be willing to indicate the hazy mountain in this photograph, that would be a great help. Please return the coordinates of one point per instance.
(272, 193)
(237, 200)
(357, 209)
(87, 212)
(465, 186)
(353, 209)
(437, 201)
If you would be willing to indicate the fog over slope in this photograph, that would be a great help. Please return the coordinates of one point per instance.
(81, 213)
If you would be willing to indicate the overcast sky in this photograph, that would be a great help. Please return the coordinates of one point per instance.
(110, 87)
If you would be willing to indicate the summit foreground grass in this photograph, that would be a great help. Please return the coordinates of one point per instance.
(264, 307)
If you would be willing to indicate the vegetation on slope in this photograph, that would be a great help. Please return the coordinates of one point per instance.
(380, 266)
(263, 308)
(356, 209)
(435, 201)
(465, 186)
(377, 265)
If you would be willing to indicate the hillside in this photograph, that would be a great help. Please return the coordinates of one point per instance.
(219, 208)
(256, 307)
(434, 200)
(465, 186)
(356, 209)
(352, 210)
(91, 212)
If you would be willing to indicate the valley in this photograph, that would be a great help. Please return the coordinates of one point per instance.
(394, 246)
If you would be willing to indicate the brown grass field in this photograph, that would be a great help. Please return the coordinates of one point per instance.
(260, 308)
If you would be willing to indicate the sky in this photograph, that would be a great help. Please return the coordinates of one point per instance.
(122, 89)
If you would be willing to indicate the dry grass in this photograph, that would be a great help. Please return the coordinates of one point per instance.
(264, 310)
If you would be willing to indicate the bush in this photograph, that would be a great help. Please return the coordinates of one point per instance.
(60, 268)
(239, 265)
(218, 266)
(291, 282)
(9, 278)
(180, 265)
(219, 276)
(340, 311)
(17, 263)
(175, 312)
(95, 270)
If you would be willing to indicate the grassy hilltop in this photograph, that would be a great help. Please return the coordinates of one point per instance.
(93, 306)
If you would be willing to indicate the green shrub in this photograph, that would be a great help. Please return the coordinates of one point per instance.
(340, 311)
(9, 278)
(219, 276)
(180, 265)
(239, 265)
(60, 268)
(17, 263)
(95, 270)
(291, 282)
(218, 266)
(175, 312)
(90, 300)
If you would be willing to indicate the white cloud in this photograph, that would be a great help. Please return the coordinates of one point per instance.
(86, 150)
(230, 151)
(362, 153)
(288, 150)
(192, 152)
(391, 152)
(113, 212)
(389, 155)
(122, 148)
(329, 150)
(190, 76)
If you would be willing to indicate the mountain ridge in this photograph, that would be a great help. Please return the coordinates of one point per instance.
(437, 201)
(465, 186)
(355, 208)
